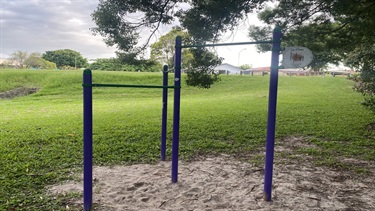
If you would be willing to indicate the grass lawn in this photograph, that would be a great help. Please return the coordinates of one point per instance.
(41, 134)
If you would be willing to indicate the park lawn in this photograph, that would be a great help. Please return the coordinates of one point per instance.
(41, 134)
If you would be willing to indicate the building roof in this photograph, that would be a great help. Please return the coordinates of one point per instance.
(260, 69)
(228, 67)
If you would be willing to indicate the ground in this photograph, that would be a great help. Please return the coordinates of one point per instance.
(225, 183)
(18, 92)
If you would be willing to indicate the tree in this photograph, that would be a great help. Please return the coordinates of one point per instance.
(33, 60)
(115, 64)
(245, 66)
(198, 63)
(106, 64)
(19, 58)
(205, 20)
(201, 71)
(65, 58)
(49, 65)
(324, 52)
(163, 50)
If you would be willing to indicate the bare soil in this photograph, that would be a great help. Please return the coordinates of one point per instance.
(18, 92)
(225, 183)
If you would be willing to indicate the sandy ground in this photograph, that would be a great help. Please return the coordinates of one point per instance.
(223, 183)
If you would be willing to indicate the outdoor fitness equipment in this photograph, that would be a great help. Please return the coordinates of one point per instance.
(272, 101)
(270, 139)
(87, 126)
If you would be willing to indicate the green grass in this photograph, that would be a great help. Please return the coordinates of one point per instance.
(41, 134)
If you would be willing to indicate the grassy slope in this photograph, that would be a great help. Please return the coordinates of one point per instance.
(41, 134)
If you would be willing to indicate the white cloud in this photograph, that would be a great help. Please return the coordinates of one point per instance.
(76, 21)
(41, 25)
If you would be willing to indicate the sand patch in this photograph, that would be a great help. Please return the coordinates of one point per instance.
(222, 183)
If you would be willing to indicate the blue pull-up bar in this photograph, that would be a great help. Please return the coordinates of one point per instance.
(270, 139)
(87, 126)
(272, 102)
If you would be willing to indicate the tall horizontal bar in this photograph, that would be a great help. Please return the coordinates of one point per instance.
(126, 85)
(226, 44)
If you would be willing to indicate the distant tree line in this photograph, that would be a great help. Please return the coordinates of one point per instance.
(22, 59)
(58, 59)
(116, 64)
(66, 59)
(70, 59)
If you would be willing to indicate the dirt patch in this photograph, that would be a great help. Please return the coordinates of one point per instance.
(18, 92)
(224, 183)
(371, 127)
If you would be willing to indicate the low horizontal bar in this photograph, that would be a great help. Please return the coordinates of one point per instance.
(126, 85)
(226, 44)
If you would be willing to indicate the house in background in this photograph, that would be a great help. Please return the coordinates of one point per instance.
(257, 71)
(228, 69)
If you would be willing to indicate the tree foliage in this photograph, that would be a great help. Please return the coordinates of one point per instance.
(65, 58)
(22, 59)
(163, 50)
(115, 64)
(35, 60)
(246, 66)
(19, 58)
(201, 71)
(121, 22)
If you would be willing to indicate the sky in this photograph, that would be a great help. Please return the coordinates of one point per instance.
(45, 25)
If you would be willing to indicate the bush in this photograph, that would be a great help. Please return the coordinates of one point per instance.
(115, 64)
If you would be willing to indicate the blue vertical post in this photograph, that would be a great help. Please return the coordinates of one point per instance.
(87, 139)
(176, 109)
(272, 102)
(163, 141)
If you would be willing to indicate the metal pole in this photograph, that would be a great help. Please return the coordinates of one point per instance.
(239, 56)
(272, 102)
(87, 140)
(226, 44)
(163, 144)
(176, 109)
(128, 85)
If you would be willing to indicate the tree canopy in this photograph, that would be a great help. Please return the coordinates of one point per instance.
(22, 59)
(65, 58)
(198, 63)
(116, 64)
(162, 51)
(246, 66)
(120, 21)
(35, 60)
(19, 58)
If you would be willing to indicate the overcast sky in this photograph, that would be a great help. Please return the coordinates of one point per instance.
(42, 25)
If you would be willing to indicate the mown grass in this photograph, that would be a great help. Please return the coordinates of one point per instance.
(41, 134)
